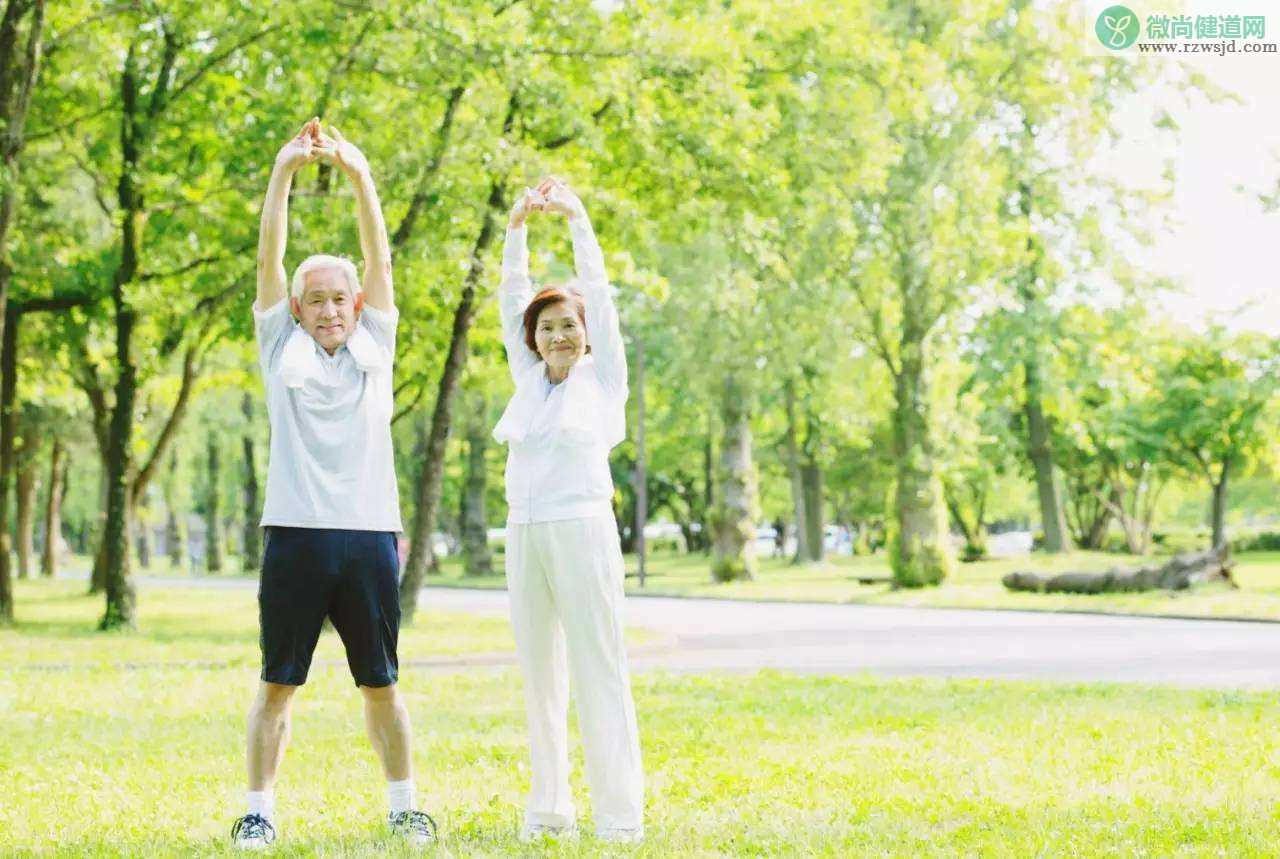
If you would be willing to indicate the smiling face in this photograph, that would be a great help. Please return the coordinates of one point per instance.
(560, 336)
(327, 310)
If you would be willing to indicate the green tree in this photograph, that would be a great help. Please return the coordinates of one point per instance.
(1214, 396)
(930, 240)
(21, 35)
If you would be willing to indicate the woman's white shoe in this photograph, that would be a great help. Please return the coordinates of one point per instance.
(535, 831)
(621, 836)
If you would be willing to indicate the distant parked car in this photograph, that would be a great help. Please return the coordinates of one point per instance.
(439, 545)
(766, 536)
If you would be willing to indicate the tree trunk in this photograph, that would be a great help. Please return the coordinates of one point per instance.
(25, 498)
(53, 510)
(920, 554)
(623, 502)
(1181, 573)
(686, 531)
(121, 599)
(812, 525)
(212, 510)
(1052, 519)
(98, 575)
(1135, 518)
(1088, 517)
(975, 531)
(641, 475)
(142, 537)
(173, 540)
(708, 490)
(1218, 515)
(692, 522)
(251, 558)
(232, 531)
(436, 437)
(8, 393)
(427, 556)
(733, 523)
(797, 481)
(1098, 527)
(476, 558)
(175, 535)
(19, 68)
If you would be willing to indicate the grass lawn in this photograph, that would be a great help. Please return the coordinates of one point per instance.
(196, 627)
(125, 751)
(205, 628)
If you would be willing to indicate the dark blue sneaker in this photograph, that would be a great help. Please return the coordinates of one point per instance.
(253, 832)
(415, 827)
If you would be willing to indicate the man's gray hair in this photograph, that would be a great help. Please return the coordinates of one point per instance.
(315, 262)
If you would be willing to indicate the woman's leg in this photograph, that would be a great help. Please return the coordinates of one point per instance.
(540, 647)
(587, 585)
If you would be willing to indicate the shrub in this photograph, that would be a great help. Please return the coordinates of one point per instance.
(1263, 541)
(664, 544)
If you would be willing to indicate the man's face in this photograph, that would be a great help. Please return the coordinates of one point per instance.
(328, 310)
(560, 336)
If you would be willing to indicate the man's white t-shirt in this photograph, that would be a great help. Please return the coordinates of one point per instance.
(331, 462)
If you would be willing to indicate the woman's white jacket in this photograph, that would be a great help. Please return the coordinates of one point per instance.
(559, 436)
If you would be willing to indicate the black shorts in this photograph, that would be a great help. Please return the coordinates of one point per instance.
(351, 577)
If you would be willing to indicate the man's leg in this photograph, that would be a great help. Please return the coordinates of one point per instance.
(387, 720)
(297, 572)
(268, 736)
(365, 609)
(269, 724)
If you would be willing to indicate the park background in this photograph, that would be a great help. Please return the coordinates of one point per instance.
(942, 288)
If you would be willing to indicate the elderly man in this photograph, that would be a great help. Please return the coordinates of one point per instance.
(332, 509)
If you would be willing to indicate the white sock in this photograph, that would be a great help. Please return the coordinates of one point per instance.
(400, 795)
(261, 803)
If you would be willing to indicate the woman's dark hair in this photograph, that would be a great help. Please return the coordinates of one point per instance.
(544, 299)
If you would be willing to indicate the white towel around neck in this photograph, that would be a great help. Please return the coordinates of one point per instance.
(584, 413)
(300, 361)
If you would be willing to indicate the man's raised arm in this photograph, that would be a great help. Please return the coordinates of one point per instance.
(273, 231)
(374, 245)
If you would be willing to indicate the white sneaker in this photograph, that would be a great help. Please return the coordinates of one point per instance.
(415, 827)
(535, 831)
(253, 832)
(621, 836)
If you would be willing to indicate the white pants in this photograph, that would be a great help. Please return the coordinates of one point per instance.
(565, 584)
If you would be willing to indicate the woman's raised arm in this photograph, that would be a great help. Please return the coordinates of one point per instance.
(604, 331)
(516, 291)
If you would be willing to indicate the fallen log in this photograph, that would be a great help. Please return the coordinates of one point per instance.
(1179, 574)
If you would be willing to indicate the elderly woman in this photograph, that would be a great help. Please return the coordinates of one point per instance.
(563, 559)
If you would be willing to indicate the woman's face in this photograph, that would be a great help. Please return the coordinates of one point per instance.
(560, 336)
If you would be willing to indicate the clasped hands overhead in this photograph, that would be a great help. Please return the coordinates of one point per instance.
(551, 195)
(313, 144)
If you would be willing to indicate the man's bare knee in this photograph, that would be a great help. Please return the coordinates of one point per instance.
(274, 697)
(380, 694)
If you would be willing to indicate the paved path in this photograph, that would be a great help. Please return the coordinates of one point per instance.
(704, 635)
